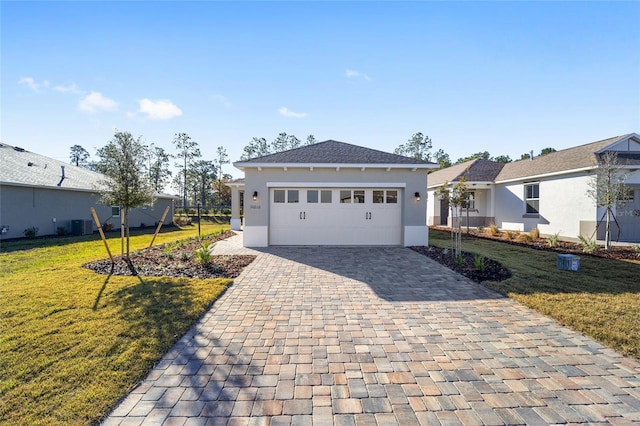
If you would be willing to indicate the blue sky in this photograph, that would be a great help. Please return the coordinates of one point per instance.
(506, 77)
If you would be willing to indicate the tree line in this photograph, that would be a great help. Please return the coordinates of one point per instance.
(197, 181)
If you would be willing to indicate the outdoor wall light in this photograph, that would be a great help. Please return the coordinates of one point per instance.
(417, 195)
(255, 195)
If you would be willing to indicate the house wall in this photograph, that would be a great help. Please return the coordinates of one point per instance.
(256, 214)
(22, 207)
(626, 226)
(564, 208)
(480, 216)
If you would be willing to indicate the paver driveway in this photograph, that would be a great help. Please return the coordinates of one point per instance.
(382, 336)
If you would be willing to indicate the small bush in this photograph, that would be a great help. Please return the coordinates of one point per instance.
(459, 259)
(525, 238)
(226, 212)
(493, 230)
(60, 231)
(204, 254)
(636, 249)
(31, 232)
(589, 246)
(478, 262)
(182, 221)
(534, 233)
(107, 226)
(511, 234)
(552, 240)
(184, 257)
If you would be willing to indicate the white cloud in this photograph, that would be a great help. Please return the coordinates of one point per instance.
(357, 74)
(162, 109)
(32, 84)
(96, 101)
(71, 88)
(286, 112)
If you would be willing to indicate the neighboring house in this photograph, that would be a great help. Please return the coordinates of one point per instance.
(332, 193)
(40, 192)
(548, 192)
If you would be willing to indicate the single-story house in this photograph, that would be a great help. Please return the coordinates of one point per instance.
(332, 193)
(48, 194)
(548, 192)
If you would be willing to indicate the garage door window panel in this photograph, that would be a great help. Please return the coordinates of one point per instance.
(392, 197)
(325, 197)
(312, 196)
(345, 197)
(293, 196)
(278, 196)
(358, 197)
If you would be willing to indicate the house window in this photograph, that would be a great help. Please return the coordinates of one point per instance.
(628, 194)
(115, 211)
(293, 196)
(470, 202)
(278, 196)
(532, 198)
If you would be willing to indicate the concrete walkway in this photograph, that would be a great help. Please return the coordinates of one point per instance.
(377, 336)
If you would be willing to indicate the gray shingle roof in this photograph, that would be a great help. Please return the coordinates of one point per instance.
(567, 159)
(332, 152)
(19, 166)
(477, 170)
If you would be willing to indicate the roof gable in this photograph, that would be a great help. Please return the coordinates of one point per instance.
(476, 170)
(332, 152)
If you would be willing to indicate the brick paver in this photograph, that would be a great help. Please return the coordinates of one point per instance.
(377, 336)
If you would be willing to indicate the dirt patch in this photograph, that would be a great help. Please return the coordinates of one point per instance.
(475, 268)
(176, 259)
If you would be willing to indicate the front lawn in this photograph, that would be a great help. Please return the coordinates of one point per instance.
(601, 300)
(73, 342)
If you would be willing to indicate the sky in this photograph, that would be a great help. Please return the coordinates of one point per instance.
(503, 77)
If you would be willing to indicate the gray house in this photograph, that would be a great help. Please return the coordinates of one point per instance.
(332, 193)
(40, 192)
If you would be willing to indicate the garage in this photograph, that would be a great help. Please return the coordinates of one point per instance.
(331, 193)
(335, 216)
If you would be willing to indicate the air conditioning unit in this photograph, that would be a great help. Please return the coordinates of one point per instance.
(88, 227)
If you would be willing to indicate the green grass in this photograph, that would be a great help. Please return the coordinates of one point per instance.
(601, 300)
(73, 342)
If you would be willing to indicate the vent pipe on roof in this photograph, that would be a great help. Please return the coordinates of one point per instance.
(531, 155)
(61, 177)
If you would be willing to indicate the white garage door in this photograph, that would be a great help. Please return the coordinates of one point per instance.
(335, 216)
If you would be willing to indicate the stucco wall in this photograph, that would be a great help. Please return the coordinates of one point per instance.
(564, 203)
(22, 207)
(256, 213)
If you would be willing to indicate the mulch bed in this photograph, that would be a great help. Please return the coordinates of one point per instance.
(465, 265)
(175, 260)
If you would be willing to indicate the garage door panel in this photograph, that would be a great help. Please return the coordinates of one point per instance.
(312, 222)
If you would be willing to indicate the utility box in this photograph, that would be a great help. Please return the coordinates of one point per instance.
(81, 227)
(568, 262)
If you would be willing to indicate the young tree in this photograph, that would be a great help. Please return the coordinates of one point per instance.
(159, 172)
(607, 189)
(123, 163)
(284, 142)
(418, 147)
(79, 156)
(188, 151)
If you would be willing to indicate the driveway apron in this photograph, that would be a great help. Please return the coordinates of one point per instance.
(376, 336)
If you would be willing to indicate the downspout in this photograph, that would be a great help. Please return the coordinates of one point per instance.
(62, 177)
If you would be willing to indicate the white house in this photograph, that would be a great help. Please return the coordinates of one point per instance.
(548, 192)
(332, 193)
(47, 194)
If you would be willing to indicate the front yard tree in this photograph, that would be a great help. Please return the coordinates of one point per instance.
(159, 172)
(188, 151)
(79, 156)
(458, 197)
(418, 147)
(123, 163)
(608, 190)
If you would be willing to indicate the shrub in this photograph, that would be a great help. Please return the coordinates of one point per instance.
(31, 232)
(636, 249)
(552, 240)
(60, 231)
(525, 238)
(226, 212)
(204, 254)
(182, 221)
(459, 259)
(589, 246)
(184, 257)
(107, 226)
(493, 230)
(510, 234)
(534, 233)
(478, 261)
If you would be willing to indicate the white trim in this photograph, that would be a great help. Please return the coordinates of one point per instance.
(413, 167)
(236, 224)
(544, 175)
(487, 184)
(67, 188)
(416, 236)
(336, 184)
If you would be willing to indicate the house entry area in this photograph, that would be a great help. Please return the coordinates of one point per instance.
(335, 216)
